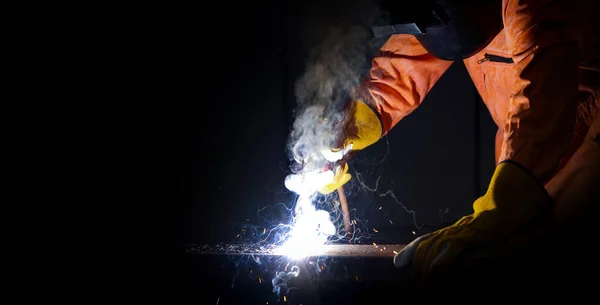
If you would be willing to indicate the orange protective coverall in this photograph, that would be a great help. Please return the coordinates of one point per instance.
(541, 83)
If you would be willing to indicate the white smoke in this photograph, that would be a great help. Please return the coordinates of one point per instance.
(333, 71)
(281, 279)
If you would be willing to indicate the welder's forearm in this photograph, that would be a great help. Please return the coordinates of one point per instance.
(540, 130)
(402, 74)
(541, 117)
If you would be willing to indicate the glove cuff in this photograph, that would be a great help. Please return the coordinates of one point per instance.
(513, 191)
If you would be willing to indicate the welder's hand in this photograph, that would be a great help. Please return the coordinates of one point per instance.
(362, 129)
(514, 197)
(323, 181)
(341, 176)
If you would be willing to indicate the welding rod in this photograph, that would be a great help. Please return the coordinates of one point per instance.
(345, 210)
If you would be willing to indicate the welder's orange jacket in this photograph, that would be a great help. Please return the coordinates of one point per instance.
(539, 78)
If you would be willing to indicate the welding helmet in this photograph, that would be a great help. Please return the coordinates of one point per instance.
(447, 29)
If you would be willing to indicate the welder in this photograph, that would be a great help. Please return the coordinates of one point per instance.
(535, 64)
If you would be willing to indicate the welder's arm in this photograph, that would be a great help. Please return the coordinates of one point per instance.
(542, 111)
(401, 75)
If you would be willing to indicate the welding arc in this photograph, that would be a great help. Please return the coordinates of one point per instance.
(345, 210)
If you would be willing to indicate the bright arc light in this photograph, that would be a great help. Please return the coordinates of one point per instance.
(310, 228)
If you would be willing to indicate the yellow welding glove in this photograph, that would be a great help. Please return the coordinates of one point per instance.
(341, 177)
(513, 198)
(362, 129)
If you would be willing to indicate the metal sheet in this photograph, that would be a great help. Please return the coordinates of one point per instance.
(373, 250)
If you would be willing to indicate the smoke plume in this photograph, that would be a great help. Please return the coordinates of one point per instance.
(333, 71)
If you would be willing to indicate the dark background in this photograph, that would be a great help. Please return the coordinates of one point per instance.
(234, 161)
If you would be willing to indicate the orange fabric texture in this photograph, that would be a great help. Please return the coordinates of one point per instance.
(535, 100)
(401, 76)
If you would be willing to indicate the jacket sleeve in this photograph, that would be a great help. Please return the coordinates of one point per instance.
(542, 108)
(401, 75)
